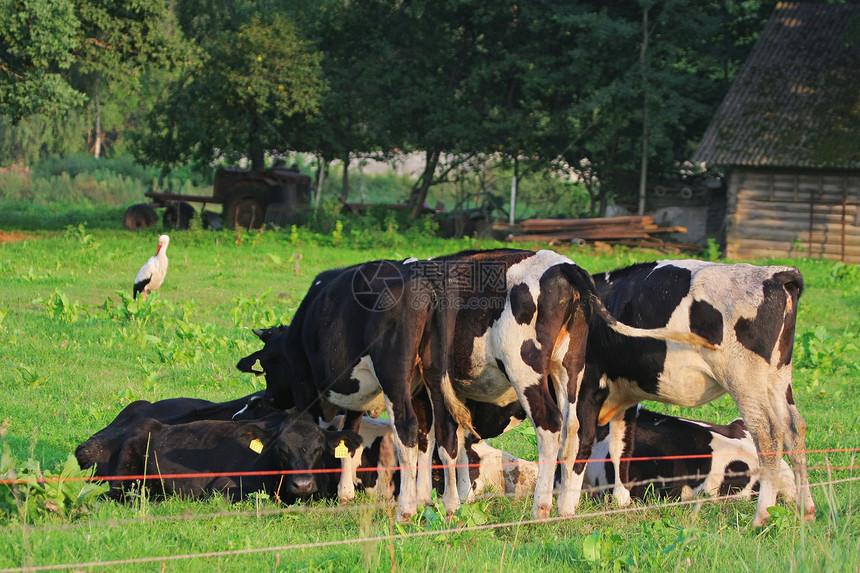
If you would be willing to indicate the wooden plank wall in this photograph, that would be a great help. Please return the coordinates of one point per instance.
(784, 213)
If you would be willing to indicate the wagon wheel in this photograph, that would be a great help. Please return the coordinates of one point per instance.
(139, 216)
(178, 215)
(246, 213)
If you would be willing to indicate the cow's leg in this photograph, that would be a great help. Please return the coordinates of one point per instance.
(449, 439)
(768, 427)
(567, 381)
(619, 451)
(782, 400)
(546, 417)
(405, 437)
(621, 438)
(426, 444)
(349, 464)
(464, 472)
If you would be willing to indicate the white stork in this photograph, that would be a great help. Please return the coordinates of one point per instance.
(151, 275)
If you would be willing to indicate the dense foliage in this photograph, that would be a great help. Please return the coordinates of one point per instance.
(603, 89)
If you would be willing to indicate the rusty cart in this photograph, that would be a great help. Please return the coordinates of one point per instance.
(278, 196)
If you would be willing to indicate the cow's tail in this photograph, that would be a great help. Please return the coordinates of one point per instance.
(584, 284)
(457, 408)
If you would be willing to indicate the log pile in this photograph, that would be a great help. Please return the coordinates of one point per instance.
(603, 229)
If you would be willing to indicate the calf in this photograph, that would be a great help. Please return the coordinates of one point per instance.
(96, 450)
(276, 455)
(677, 457)
(748, 312)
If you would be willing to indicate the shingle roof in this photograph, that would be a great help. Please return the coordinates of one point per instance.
(796, 102)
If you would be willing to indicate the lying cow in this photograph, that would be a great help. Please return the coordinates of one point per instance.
(748, 312)
(275, 455)
(97, 450)
(676, 457)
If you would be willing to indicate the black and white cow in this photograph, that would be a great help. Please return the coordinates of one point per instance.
(491, 326)
(514, 323)
(677, 457)
(97, 450)
(748, 313)
(276, 454)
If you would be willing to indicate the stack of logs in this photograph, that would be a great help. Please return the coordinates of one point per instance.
(634, 230)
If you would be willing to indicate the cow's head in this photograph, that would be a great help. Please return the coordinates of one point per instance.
(301, 446)
(258, 406)
(271, 361)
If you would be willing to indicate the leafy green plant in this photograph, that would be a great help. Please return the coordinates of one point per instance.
(34, 492)
(59, 307)
(31, 377)
(337, 234)
(79, 233)
(712, 250)
(132, 308)
(255, 311)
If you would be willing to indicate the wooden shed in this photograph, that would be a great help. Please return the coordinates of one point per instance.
(788, 133)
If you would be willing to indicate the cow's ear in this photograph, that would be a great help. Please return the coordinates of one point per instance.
(262, 333)
(255, 436)
(350, 439)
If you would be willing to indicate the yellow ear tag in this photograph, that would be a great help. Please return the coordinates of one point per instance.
(256, 445)
(341, 451)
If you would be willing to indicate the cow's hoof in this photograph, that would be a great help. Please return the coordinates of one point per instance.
(542, 511)
(567, 504)
(621, 496)
(810, 514)
(760, 521)
(404, 517)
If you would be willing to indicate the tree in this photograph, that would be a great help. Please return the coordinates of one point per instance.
(40, 38)
(237, 98)
(63, 60)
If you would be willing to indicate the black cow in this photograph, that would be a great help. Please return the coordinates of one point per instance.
(677, 457)
(97, 450)
(748, 313)
(274, 455)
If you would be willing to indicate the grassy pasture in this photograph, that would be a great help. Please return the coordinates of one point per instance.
(75, 351)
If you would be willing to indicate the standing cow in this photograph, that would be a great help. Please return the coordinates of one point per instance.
(512, 324)
(748, 313)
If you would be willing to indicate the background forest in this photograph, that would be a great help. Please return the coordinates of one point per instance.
(597, 92)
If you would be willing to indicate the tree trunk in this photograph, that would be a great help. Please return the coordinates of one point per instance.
(514, 182)
(419, 190)
(257, 154)
(321, 171)
(344, 193)
(97, 146)
(643, 169)
(97, 140)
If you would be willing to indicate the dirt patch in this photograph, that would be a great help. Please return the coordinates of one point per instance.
(12, 237)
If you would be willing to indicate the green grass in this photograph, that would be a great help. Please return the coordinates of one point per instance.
(73, 358)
